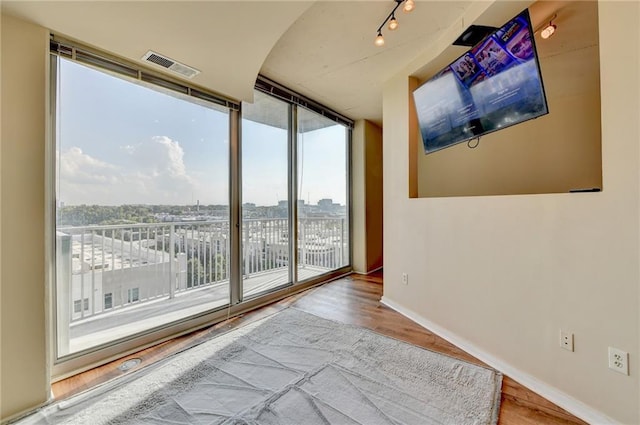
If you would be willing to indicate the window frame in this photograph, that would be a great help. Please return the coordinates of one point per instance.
(68, 364)
(133, 295)
(108, 296)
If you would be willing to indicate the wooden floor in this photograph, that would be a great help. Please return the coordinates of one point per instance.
(353, 300)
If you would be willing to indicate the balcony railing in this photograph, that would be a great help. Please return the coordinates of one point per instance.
(103, 269)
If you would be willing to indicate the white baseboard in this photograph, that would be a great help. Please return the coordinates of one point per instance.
(23, 414)
(375, 270)
(570, 404)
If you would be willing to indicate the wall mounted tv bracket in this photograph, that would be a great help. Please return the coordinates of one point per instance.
(473, 35)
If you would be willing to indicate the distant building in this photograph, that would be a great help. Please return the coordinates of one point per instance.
(325, 204)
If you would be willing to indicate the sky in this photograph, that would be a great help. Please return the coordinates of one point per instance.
(121, 143)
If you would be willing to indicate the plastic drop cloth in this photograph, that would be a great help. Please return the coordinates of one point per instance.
(293, 368)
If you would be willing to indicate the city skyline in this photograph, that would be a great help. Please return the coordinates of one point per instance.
(62, 204)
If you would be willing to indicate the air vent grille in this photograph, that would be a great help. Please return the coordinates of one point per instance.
(170, 64)
(160, 60)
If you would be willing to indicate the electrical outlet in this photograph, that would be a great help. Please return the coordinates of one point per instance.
(566, 340)
(619, 360)
(405, 279)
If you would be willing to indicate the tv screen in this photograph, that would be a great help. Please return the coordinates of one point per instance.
(494, 85)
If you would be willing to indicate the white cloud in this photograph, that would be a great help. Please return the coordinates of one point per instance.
(80, 168)
(150, 172)
(158, 156)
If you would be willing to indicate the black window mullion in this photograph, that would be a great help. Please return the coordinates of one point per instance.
(274, 89)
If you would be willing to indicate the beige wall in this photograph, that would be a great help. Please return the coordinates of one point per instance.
(358, 198)
(554, 153)
(373, 189)
(366, 173)
(504, 274)
(24, 382)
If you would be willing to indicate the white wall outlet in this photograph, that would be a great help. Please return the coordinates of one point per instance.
(619, 360)
(566, 340)
(405, 279)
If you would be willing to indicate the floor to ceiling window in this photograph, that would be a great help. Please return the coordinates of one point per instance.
(322, 183)
(142, 217)
(173, 210)
(265, 195)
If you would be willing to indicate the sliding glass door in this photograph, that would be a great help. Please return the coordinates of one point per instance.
(322, 182)
(265, 195)
(318, 188)
(142, 214)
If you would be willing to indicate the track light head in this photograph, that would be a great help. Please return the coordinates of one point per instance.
(379, 39)
(548, 31)
(393, 23)
(409, 5)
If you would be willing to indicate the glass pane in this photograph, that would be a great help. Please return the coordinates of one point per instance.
(323, 234)
(265, 201)
(142, 223)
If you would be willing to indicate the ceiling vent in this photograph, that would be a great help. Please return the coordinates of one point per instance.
(170, 64)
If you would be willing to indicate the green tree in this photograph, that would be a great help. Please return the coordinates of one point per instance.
(195, 273)
(220, 267)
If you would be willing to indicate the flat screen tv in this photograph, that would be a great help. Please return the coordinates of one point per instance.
(496, 84)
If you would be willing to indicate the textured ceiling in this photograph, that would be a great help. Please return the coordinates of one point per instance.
(328, 53)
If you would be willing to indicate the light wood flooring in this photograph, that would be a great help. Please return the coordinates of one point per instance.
(354, 300)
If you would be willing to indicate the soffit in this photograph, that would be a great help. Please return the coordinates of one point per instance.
(226, 40)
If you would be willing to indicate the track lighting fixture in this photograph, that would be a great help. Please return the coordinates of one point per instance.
(547, 31)
(409, 5)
